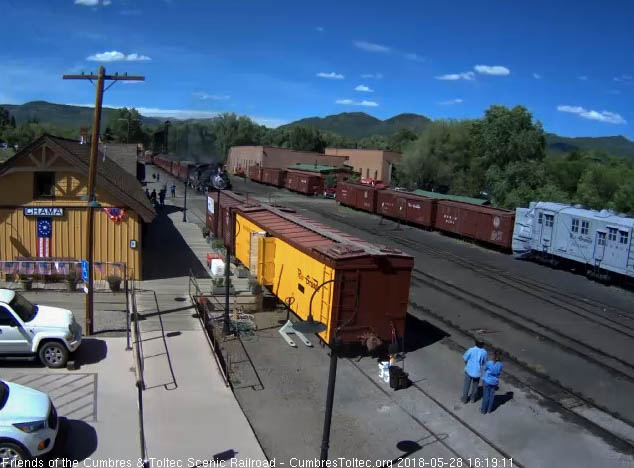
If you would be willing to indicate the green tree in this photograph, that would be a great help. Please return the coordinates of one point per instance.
(126, 127)
(399, 141)
(5, 118)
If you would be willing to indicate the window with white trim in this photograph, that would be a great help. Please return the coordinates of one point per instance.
(601, 238)
(549, 220)
(540, 217)
(612, 234)
(575, 225)
(623, 237)
(585, 227)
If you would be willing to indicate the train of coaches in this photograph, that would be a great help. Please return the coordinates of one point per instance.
(552, 233)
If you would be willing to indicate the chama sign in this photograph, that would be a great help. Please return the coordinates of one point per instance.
(43, 211)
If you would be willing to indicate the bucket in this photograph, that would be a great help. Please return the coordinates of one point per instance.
(383, 369)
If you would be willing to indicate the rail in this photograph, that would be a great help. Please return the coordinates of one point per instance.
(200, 301)
(137, 350)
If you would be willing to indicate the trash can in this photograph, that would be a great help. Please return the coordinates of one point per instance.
(398, 378)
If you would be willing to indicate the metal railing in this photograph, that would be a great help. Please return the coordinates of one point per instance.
(137, 350)
(200, 302)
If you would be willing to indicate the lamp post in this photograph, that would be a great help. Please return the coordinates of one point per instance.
(226, 327)
(185, 198)
(310, 326)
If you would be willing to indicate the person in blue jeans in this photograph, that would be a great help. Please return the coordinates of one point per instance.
(475, 358)
(491, 380)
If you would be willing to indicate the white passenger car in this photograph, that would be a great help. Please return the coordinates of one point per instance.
(27, 329)
(28, 423)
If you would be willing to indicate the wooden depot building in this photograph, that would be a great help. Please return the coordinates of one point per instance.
(43, 215)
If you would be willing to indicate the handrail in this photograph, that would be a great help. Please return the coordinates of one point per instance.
(137, 350)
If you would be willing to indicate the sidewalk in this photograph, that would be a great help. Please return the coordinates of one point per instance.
(189, 412)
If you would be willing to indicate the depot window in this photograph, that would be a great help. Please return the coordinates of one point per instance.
(601, 238)
(575, 225)
(44, 184)
(623, 237)
(549, 220)
(585, 227)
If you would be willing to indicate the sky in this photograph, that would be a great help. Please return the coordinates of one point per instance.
(570, 63)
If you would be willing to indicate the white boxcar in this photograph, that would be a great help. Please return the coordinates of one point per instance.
(601, 240)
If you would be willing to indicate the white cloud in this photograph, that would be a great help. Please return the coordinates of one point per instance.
(375, 76)
(457, 76)
(602, 116)
(497, 70)
(331, 75)
(370, 47)
(537, 76)
(92, 3)
(212, 97)
(116, 56)
(451, 102)
(319, 28)
(364, 89)
(623, 78)
(351, 102)
(582, 78)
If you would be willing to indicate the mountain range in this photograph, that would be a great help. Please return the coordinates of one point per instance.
(354, 125)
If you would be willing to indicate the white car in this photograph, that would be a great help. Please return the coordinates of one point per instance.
(27, 329)
(28, 423)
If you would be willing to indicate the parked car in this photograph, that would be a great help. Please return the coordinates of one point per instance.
(330, 192)
(28, 423)
(26, 329)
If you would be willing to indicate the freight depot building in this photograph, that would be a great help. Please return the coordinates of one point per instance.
(369, 163)
(43, 185)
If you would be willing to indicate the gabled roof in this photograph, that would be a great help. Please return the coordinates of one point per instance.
(124, 154)
(111, 177)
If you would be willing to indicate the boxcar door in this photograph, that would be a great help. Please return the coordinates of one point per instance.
(401, 208)
(615, 252)
(254, 251)
(266, 260)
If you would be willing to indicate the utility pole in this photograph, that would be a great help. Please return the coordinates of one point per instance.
(185, 198)
(92, 203)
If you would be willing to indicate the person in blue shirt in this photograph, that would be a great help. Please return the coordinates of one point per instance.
(490, 381)
(475, 358)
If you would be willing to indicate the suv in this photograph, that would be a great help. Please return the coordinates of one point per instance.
(27, 329)
(28, 423)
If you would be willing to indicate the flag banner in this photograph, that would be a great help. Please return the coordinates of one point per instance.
(44, 268)
(115, 214)
(28, 267)
(11, 267)
(61, 268)
(44, 234)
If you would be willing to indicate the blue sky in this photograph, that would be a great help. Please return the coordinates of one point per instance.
(570, 63)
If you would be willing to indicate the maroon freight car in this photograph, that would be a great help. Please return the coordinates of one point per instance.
(183, 169)
(308, 183)
(255, 173)
(273, 176)
(405, 206)
(218, 220)
(482, 223)
(360, 196)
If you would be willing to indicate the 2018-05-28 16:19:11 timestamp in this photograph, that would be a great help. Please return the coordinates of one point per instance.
(439, 462)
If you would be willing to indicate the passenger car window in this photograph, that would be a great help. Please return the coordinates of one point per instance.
(6, 318)
(611, 234)
(549, 220)
(575, 225)
(601, 238)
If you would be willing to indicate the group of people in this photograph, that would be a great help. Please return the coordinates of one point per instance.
(478, 366)
(161, 195)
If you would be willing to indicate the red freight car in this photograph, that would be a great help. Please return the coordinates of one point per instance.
(482, 223)
(274, 176)
(255, 173)
(218, 220)
(308, 183)
(183, 169)
(360, 196)
(406, 206)
(175, 168)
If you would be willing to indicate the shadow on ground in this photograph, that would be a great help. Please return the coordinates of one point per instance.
(91, 351)
(420, 333)
(165, 252)
(77, 440)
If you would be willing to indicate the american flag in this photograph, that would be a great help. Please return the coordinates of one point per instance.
(44, 233)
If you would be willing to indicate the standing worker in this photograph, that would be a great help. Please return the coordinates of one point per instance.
(475, 359)
(153, 196)
(173, 189)
(162, 194)
(490, 382)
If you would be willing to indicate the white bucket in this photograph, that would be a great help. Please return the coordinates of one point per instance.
(217, 266)
(384, 369)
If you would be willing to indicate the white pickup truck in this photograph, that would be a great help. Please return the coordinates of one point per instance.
(27, 329)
